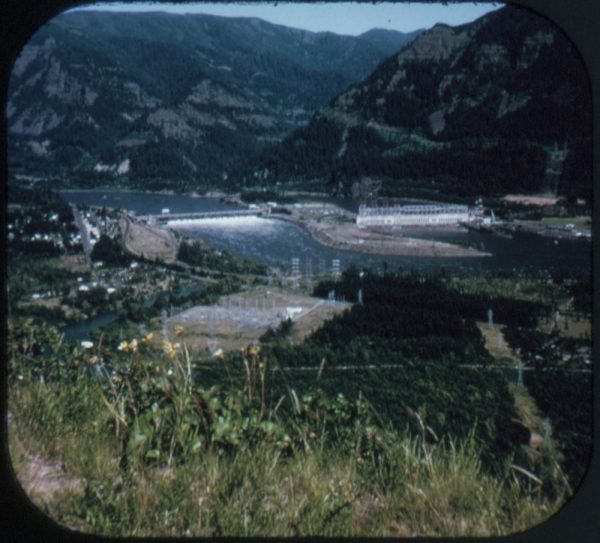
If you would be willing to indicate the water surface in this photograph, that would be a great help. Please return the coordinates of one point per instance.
(277, 242)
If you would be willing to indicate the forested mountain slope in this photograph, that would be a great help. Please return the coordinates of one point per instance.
(498, 105)
(151, 99)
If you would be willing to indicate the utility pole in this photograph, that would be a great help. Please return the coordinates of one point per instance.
(520, 373)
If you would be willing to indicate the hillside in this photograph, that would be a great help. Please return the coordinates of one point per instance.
(153, 99)
(498, 105)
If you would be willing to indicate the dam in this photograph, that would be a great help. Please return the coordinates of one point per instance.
(165, 219)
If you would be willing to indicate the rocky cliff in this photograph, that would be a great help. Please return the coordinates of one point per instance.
(496, 105)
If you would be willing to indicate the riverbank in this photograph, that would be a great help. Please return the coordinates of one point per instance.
(348, 236)
(210, 195)
(297, 232)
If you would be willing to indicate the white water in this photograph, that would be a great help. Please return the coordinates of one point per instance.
(223, 222)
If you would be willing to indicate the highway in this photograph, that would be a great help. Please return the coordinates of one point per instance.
(85, 238)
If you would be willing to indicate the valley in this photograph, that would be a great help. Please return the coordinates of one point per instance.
(265, 282)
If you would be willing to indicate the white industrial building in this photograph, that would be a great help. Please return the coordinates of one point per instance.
(412, 215)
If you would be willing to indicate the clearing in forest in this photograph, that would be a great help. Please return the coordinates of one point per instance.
(240, 319)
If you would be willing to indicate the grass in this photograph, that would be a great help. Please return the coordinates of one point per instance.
(421, 490)
(154, 455)
(147, 451)
(572, 324)
(579, 222)
(534, 290)
(495, 343)
(526, 408)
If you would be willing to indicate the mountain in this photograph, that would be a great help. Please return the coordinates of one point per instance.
(497, 105)
(156, 99)
(389, 41)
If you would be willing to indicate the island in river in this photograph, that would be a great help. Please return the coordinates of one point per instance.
(382, 241)
(334, 226)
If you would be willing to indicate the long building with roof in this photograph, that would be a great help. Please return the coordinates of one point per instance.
(412, 215)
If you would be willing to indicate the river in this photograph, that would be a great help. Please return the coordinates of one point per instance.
(276, 242)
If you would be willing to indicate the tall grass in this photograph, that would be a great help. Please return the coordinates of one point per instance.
(159, 455)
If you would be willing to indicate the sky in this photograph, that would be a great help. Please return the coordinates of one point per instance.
(348, 18)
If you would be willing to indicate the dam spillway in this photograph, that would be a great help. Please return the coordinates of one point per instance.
(201, 217)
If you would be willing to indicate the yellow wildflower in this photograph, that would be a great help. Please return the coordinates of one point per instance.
(254, 350)
(133, 345)
(123, 346)
(149, 337)
(167, 346)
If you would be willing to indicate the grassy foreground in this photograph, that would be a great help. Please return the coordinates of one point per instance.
(146, 450)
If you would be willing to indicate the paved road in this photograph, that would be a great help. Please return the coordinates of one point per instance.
(85, 238)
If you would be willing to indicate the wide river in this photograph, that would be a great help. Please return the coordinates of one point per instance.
(277, 242)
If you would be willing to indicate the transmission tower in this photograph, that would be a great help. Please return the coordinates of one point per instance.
(295, 271)
(335, 267)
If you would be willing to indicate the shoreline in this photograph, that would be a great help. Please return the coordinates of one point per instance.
(351, 238)
(403, 246)
(345, 236)
(209, 195)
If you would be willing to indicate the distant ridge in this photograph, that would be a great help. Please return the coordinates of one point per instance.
(157, 100)
(497, 105)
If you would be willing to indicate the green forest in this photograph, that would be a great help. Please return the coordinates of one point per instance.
(400, 379)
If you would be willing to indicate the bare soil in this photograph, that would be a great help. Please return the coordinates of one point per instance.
(152, 243)
(496, 344)
(392, 242)
(42, 479)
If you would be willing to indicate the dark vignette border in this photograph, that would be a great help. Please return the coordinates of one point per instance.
(578, 521)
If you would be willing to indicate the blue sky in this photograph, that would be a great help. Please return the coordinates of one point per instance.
(350, 18)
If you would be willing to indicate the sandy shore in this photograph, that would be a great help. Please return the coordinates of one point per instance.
(351, 237)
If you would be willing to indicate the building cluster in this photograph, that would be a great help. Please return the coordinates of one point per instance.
(25, 228)
(383, 214)
(97, 222)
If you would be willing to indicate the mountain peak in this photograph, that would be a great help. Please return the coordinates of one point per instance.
(178, 96)
(487, 97)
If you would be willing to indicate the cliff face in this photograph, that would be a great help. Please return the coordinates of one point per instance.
(178, 96)
(474, 109)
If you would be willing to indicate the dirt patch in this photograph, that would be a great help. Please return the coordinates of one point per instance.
(528, 413)
(527, 410)
(152, 243)
(495, 343)
(73, 263)
(351, 237)
(42, 479)
(239, 320)
(575, 325)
